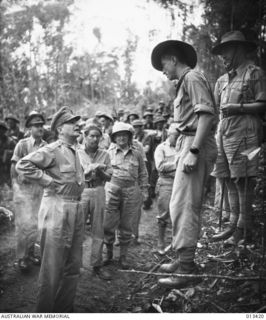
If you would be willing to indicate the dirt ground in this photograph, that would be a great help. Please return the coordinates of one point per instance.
(138, 292)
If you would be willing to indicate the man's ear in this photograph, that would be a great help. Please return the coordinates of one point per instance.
(174, 59)
(59, 129)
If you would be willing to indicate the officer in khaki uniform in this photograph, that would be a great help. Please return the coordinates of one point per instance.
(196, 117)
(97, 169)
(27, 194)
(57, 168)
(128, 170)
(241, 97)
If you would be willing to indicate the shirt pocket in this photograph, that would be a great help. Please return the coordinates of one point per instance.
(67, 171)
(133, 168)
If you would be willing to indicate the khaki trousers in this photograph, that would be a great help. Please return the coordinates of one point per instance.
(62, 235)
(188, 190)
(93, 204)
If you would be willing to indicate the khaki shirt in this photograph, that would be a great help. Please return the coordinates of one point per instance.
(26, 146)
(87, 162)
(129, 166)
(165, 159)
(58, 163)
(247, 86)
(194, 96)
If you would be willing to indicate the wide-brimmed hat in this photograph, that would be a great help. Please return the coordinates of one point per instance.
(34, 118)
(159, 119)
(64, 115)
(106, 116)
(12, 117)
(147, 113)
(137, 123)
(162, 48)
(233, 38)
(133, 114)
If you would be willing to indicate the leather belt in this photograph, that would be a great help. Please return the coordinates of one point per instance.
(187, 133)
(122, 183)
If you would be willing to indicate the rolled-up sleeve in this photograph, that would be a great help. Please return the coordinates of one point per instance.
(34, 164)
(200, 93)
(258, 84)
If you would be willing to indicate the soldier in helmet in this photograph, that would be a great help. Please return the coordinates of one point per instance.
(128, 170)
(27, 194)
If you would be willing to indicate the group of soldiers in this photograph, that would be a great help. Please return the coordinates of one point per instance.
(102, 171)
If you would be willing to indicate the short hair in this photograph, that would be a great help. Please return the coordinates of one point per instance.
(179, 54)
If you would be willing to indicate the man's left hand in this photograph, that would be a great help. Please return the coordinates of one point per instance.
(230, 109)
(190, 162)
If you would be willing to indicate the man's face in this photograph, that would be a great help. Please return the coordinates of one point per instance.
(169, 67)
(37, 131)
(159, 125)
(122, 139)
(149, 119)
(11, 123)
(92, 139)
(132, 118)
(172, 138)
(70, 129)
(104, 122)
(138, 129)
(227, 54)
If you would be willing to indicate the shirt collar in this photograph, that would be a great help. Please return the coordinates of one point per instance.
(119, 149)
(34, 142)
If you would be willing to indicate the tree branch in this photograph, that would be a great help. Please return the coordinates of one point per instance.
(198, 276)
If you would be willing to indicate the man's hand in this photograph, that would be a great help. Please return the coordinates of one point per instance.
(190, 162)
(231, 109)
(145, 195)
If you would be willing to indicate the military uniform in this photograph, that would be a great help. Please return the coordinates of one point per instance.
(57, 168)
(128, 171)
(93, 196)
(27, 200)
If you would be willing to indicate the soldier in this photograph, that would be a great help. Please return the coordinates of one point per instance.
(146, 140)
(165, 162)
(148, 117)
(7, 146)
(13, 128)
(241, 95)
(106, 121)
(120, 115)
(97, 169)
(131, 117)
(57, 168)
(128, 170)
(27, 195)
(195, 116)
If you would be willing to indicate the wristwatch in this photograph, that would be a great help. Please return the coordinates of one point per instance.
(194, 150)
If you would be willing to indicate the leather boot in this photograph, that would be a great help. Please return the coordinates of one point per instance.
(170, 267)
(161, 243)
(186, 266)
(123, 254)
(224, 234)
(109, 254)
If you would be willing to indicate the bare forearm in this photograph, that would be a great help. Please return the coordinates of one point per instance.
(205, 124)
